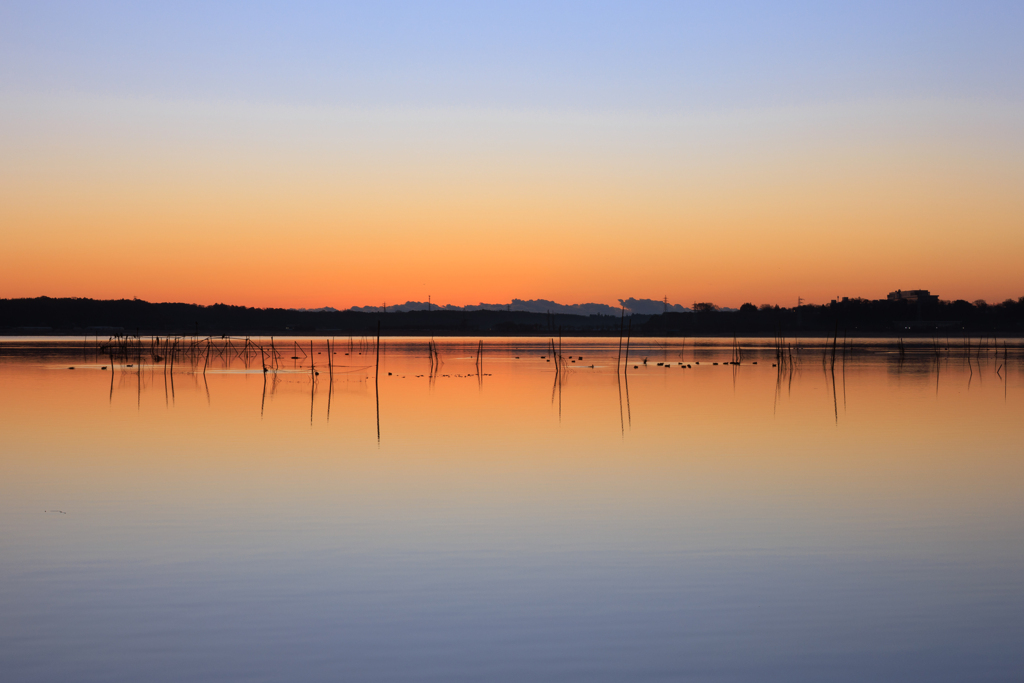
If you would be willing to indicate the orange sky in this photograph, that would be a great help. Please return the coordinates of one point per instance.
(354, 208)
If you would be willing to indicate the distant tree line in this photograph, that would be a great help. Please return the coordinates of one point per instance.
(853, 315)
(127, 316)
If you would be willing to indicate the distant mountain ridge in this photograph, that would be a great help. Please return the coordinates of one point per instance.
(633, 306)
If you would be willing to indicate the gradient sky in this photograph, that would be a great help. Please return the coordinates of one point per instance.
(303, 154)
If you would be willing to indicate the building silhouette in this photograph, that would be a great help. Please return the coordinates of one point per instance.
(914, 296)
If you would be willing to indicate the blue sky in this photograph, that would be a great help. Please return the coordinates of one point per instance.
(517, 55)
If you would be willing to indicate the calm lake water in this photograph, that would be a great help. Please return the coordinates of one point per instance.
(746, 522)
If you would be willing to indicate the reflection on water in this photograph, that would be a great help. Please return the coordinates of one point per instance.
(512, 510)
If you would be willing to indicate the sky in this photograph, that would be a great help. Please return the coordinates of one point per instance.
(329, 154)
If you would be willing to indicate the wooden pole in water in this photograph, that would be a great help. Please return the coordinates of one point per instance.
(629, 332)
(376, 370)
(622, 322)
(835, 339)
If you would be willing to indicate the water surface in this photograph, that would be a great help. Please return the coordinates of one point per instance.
(499, 519)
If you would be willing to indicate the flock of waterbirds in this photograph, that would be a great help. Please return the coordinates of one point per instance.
(196, 355)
